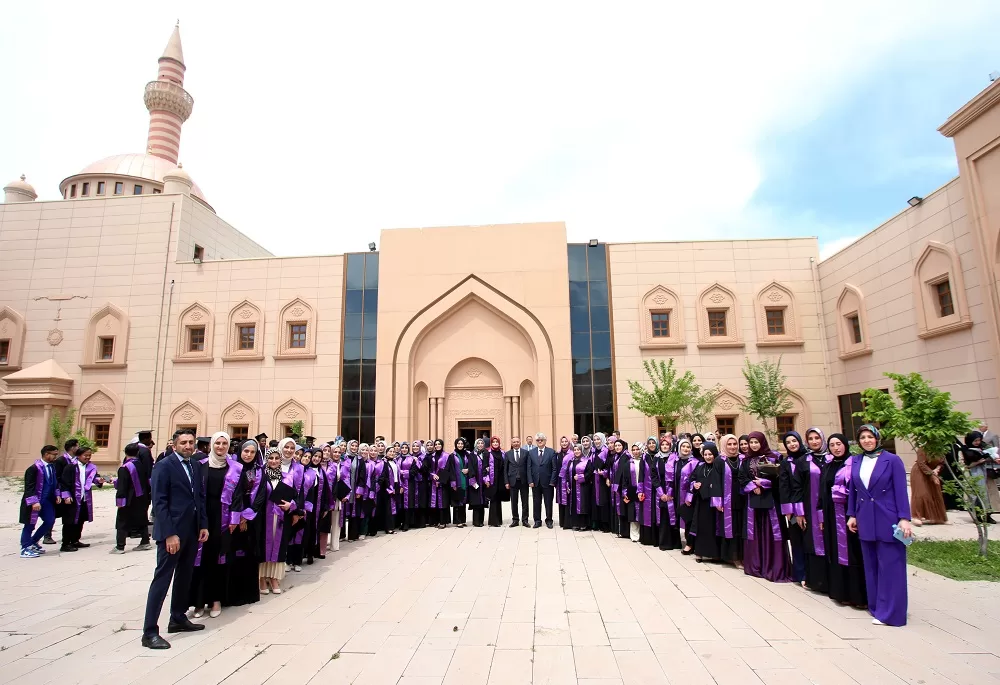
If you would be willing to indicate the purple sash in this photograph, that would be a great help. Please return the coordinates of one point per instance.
(838, 494)
(724, 523)
(775, 528)
(685, 485)
(274, 525)
(669, 471)
(819, 547)
(577, 485)
(133, 473)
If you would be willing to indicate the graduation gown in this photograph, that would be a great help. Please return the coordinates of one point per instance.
(562, 488)
(129, 497)
(244, 551)
(705, 501)
(765, 554)
(633, 481)
(845, 565)
(495, 480)
(579, 487)
(739, 511)
(601, 512)
(70, 486)
(808, 490)
(669, 469)
(475, 496)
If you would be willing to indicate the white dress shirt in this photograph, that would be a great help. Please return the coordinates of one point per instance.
(83, 480)
(867, 468)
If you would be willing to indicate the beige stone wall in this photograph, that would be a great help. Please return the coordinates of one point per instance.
(203, 227)
(753, 275)
(885, 267)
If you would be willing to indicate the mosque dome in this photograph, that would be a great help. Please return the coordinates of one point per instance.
(21, 185)
(133, 167)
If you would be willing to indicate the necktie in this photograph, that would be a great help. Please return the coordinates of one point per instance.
(187, 467)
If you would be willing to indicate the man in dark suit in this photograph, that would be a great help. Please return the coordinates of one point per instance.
(542, 479)
(181, 523)
(516, 459)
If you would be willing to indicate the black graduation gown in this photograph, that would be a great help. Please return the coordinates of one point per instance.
(496, 490)
(845, 583)
(242, 586)
(739, 511)
(704, 522)
(564, 512)
(133, 515)
(310, 540)
(644, 512)
(208, 582)
(787, 498)
(579, 506)
(475, 496)
(601, 512)
(816, 573)
(670, 535)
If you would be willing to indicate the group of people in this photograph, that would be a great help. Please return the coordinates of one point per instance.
(230, 521)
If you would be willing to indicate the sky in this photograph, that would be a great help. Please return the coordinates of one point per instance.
(317, 125)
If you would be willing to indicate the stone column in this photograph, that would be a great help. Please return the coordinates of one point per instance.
(431, 417)
(440, 418)
(508, 421)
(516, 414)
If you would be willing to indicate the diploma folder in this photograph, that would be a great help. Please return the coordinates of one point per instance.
(282, 491)
(341, 490)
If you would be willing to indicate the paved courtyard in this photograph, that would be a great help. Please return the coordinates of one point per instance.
(483, 606)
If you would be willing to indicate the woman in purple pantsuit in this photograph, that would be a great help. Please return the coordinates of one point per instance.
(877, 500)
(579, 487)
(765, 554)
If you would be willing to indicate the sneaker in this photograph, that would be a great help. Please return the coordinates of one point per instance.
(116, 550)
(28, 553)
(38, 549)
(142, 547)
(297, 568)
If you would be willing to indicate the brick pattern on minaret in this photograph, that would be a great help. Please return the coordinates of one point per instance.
(168, 103)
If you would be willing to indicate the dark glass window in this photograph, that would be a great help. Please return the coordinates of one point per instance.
(137, 190)
(579, 319)
(107, 349)
(371, 271)
(661, 324)
(603, 398)
(717, 323)
(196, 339)
(583, 398)
(597, 263)
(102, 434)
(855, 325)
(604, 423)
(600, 319)
(352, 349)
(601, 346)
(247, 335)
(351, 400)
(367, 431)
(85, 190)
(602, 371)
(297, 335)
(368, 349)
(583, 424)
(946, 307)
(368, 376)
(354, 301)
(355, 272)
(119, 188)
(581, 372)
(726, 425)
(368, 403)
(785, 424)
(4, 352)
(578, 294)
(371, 302)
(239, 434)
(577, 263)
(72, 190)
(352, 326)
(369, 326)
(598, 294)
(100, 187)
(580, 344)
(776, 321)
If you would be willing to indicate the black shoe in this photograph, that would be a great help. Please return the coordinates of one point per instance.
(548, 524)
(321, 556)
(67, 548)
(514, 524)
(309, 561)
(154, 642)
(47, 540)
(83, 545)
(524, 523)
(538, 524)
(185, 626)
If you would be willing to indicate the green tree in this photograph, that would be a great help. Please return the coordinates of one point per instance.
(298, 427)
(701, 409)
(61, 428)
(671, 396)
(926, 418)
(767, 396)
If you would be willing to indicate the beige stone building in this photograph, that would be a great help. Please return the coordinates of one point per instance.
(130, 300)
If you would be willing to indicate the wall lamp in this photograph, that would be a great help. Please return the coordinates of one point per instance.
(593, 242)
(371, 247)
(914, 201)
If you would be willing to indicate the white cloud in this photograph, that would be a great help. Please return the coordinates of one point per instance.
(637, 122)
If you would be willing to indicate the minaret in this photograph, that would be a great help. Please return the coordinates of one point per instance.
(168, 103)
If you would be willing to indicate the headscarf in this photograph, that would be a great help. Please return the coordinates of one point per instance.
(843, 439)
(822, 448)
(711, 447)
(765, 449)
(878, 437)
(269, 473)
(722, 442)
(689, 444)
(802, 447)
(969, 437)
(215, 461)
(656, 446)
(281, 450)
(253, 464)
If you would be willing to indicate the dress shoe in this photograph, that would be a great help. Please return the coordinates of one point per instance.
(81, 544)
(154, 642)
(67, 548)
(548, 524)
(525, 524)
(47, 540)
(185, 626)
(538, 524)
(514, 524)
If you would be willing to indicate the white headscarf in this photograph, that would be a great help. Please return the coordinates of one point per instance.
(214, 460)
(281, 450)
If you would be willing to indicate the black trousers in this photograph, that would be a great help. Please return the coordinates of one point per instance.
(538, 493)
(171, 567)
(121, 537)
(519, 490)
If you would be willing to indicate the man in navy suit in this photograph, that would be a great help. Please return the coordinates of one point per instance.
(542, 479)
(180, 524)
(516, 459)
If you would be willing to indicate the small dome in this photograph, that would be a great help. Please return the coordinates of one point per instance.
(135, 165)
(180, 174)
(21, 185)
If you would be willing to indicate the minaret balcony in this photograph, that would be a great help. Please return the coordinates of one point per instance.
(169, 97)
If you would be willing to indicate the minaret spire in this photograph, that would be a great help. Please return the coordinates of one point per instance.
(168, 103)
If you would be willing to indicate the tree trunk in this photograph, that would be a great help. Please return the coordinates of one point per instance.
(983, 539)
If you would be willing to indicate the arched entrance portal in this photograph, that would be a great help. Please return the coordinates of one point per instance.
(466, 361)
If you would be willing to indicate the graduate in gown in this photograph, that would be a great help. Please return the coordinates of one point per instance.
(325, 523)
(765, 554)
(876, 501)
(651, 455)
(371, 454)
(354, 510)
(669, 470)
(617, 454)
(409, 480)
(297, 545)
(808, 477)
(340, 488)
(130, 498)
(244, 520)
(387, 485)
(845, 568)
(580, 479)
(790, 503)
(685, 510)
(707, 488)
(730, 451)
(640, 493)
(78, 481)
(314, 491)
(461, 458)
(494, 479)
(601, 513)
(278, 519)
(476, 492)
(443, 483)
(208, 582)
(563, 457)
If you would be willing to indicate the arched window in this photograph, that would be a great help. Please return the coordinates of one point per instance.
(288, 413)
(99, 419)
(239, 419)
(246, 333)
(662, 320)
(296, 331)
(106, 344)
(776, 317)
(195, 333)
(12, 330)
(188, 415)
(939, 290)
(719, 320)
(852, 323)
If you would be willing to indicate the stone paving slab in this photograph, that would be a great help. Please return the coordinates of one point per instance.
(484, 606)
